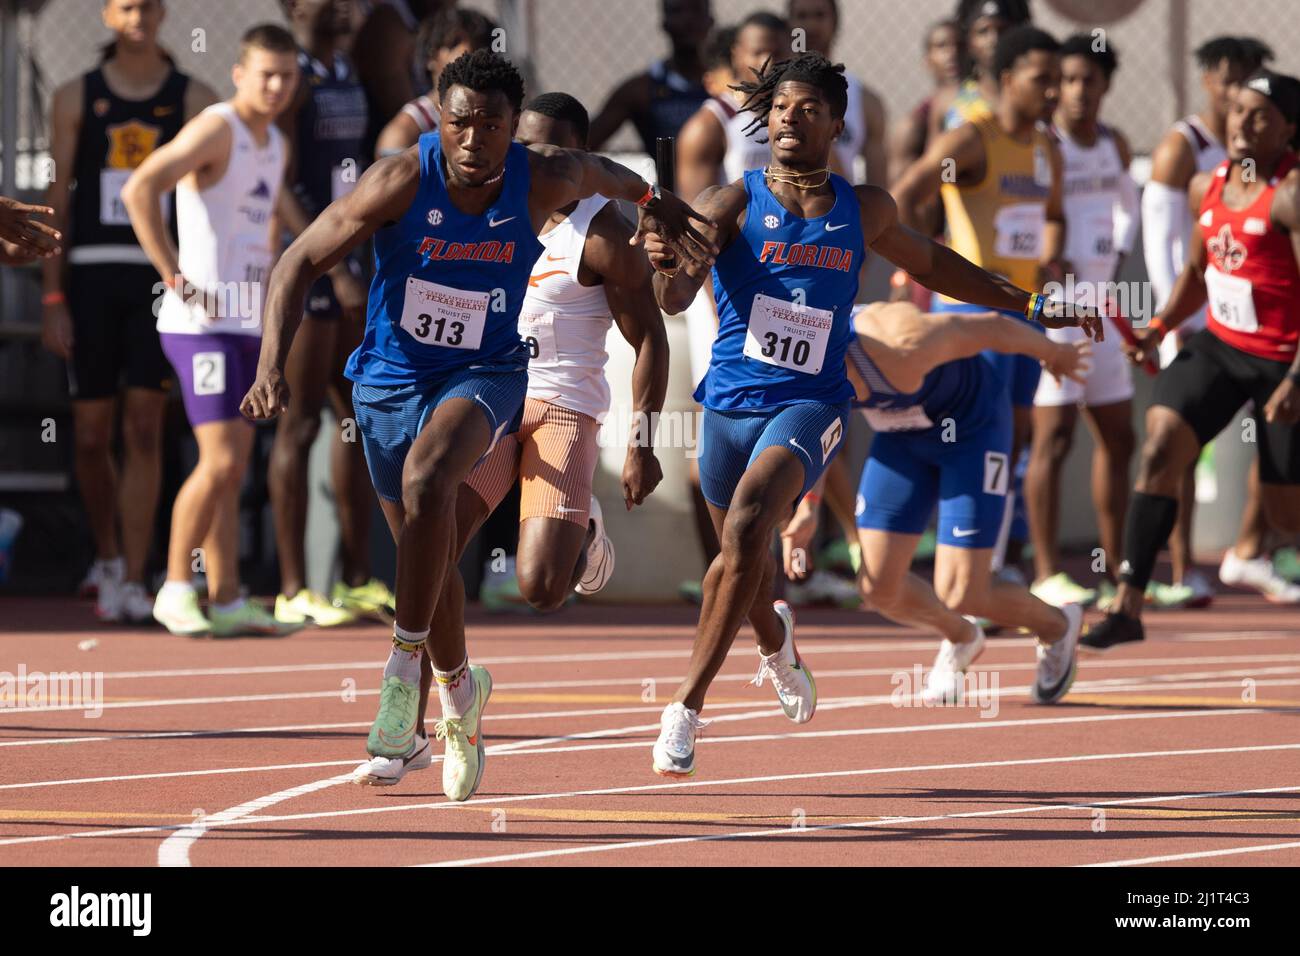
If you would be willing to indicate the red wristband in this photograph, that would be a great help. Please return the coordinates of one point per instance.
(1159, 327)
(53, 298)
(813, 498)
(649, 195)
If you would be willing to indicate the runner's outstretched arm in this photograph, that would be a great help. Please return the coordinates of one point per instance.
(939, 268)
(562, 175)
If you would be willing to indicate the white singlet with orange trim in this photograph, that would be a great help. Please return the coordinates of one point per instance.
(565, 322)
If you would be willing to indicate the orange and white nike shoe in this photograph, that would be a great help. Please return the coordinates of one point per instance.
(795, 687)
(462, 765)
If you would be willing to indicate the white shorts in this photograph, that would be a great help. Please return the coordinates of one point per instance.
(1110, 380)
(701, 331)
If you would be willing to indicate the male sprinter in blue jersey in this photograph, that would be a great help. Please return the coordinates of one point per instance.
(776, 395)
(943, 436)
(442, 371)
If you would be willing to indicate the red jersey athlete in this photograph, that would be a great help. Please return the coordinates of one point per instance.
(1245, 258)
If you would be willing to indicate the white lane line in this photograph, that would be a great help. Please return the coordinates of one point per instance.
(816, 646)
(889, 822)
(864, 672)
(175, 850)
(1108, 685)
(611, 682)
(645, 788)
(1204, 854)
(542, 746)
(822, 646)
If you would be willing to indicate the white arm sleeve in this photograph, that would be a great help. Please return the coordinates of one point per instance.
(1126, 215)
(1166, 224)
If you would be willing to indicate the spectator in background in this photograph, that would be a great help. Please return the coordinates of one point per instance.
(324, 129)
(719, 144)
(99, 299)
(859, 155)
(1194, 144)
(718, 75)
(911, 134)
(659, 101)
(982, 23)
(443, 38)
(384, 50)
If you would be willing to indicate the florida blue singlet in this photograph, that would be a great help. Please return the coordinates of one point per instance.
(443, 315)
(448, 286)
(784, 287)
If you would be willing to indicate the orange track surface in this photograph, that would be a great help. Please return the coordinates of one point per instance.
(216, 753)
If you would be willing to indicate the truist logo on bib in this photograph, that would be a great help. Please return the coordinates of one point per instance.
(1229, 254)
(807, 254)
(440, 250)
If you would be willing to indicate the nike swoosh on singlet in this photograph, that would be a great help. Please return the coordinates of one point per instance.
(534, 280)
(830, 228)
(551, 258)
(493, 223)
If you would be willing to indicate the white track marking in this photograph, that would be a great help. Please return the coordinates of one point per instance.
(175, 850)
(1173, 858)
(857, 825)
(612, 682)
(645, 788)
(541, 747)
(818, 647)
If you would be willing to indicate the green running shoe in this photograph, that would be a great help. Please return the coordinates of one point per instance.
(394, 729)
(373, 599)
(1060, 589)
(1167, 597)
(250, 619)
(465, 757)
(180, 614)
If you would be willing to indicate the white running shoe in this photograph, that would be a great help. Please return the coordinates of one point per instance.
(135, 603)
(1058, 662)
(943, 683)
(113, 568)
(108, 601)
(1259, 574)
(823, 587)
(674, 751)
(795, 687)
(386, 771)
(600, 555)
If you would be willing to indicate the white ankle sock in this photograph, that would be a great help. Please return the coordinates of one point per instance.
(403, 663)
(175, 589)
(456, 689)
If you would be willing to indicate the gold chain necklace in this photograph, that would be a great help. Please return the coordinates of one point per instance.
(778, 176)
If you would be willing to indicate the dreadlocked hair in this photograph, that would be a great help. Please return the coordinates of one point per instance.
(483, 72)
(811, 68)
